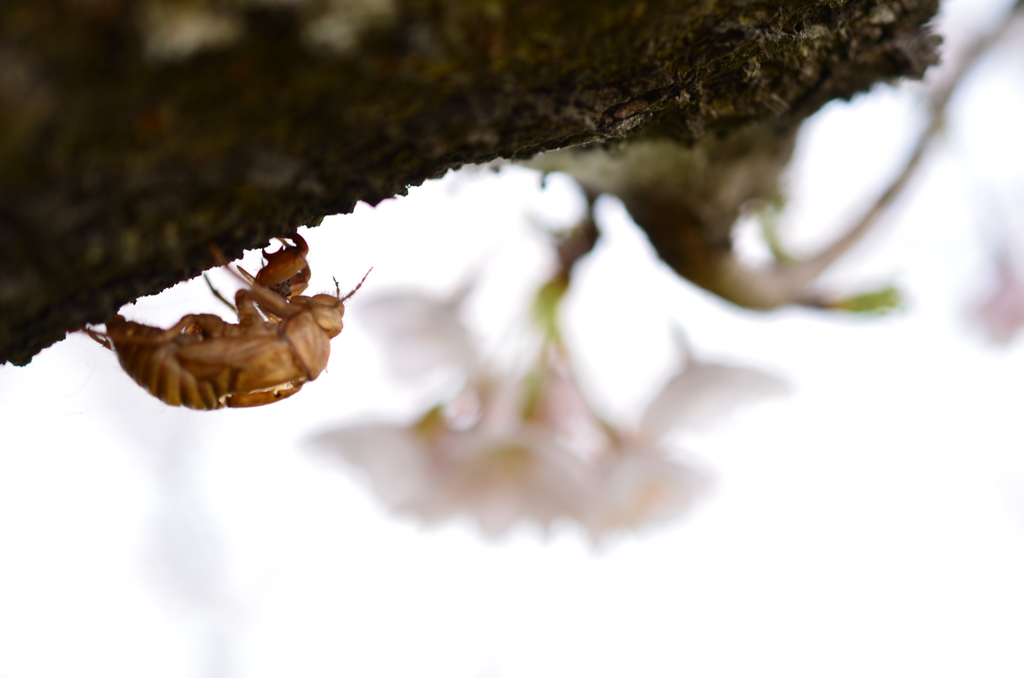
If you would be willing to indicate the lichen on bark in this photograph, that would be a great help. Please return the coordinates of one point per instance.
(135, 133)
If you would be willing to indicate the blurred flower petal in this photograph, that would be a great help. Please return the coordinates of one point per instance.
(527, 447)
(638, 489)
(1001, 315)
(702, 394)
(524, 476)
(394, 459)
(563, 408)
(421, 336)
(497, 479)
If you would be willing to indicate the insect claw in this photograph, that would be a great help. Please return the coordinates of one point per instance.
(243, 276)
(249, 277)
(286, 271)
(99, 338)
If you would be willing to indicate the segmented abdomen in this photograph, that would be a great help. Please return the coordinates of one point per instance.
(156, 369)
(152, 361)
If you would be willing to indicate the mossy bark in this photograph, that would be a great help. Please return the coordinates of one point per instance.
(133, 134)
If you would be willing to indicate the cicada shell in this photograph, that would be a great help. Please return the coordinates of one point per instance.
(280, 342)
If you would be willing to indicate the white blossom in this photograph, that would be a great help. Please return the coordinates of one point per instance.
(523, 475)
(639, 488)
(639, 483)
(437, 473)
(528, 448)
(563, 408)
(700, 394)
(509, 448)
(1001, 315)
(421, 335)
(395, 460)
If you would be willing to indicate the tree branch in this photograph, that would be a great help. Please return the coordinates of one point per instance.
(135, 133)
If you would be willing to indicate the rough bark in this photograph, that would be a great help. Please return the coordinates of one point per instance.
(133, 134)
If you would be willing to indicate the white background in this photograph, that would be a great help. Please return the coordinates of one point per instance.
(870, 524)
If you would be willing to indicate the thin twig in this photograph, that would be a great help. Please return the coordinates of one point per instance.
(803, 273)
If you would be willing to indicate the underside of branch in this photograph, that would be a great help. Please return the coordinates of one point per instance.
(136, 133)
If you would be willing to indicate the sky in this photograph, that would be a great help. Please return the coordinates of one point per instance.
(870, 523)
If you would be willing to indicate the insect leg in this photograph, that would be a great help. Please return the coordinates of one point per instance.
(217, 294)
(248, 314)
(249, 278)
(99, 338)
(258, 398)
(286, 271)
(269, 302)
(206, 324)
